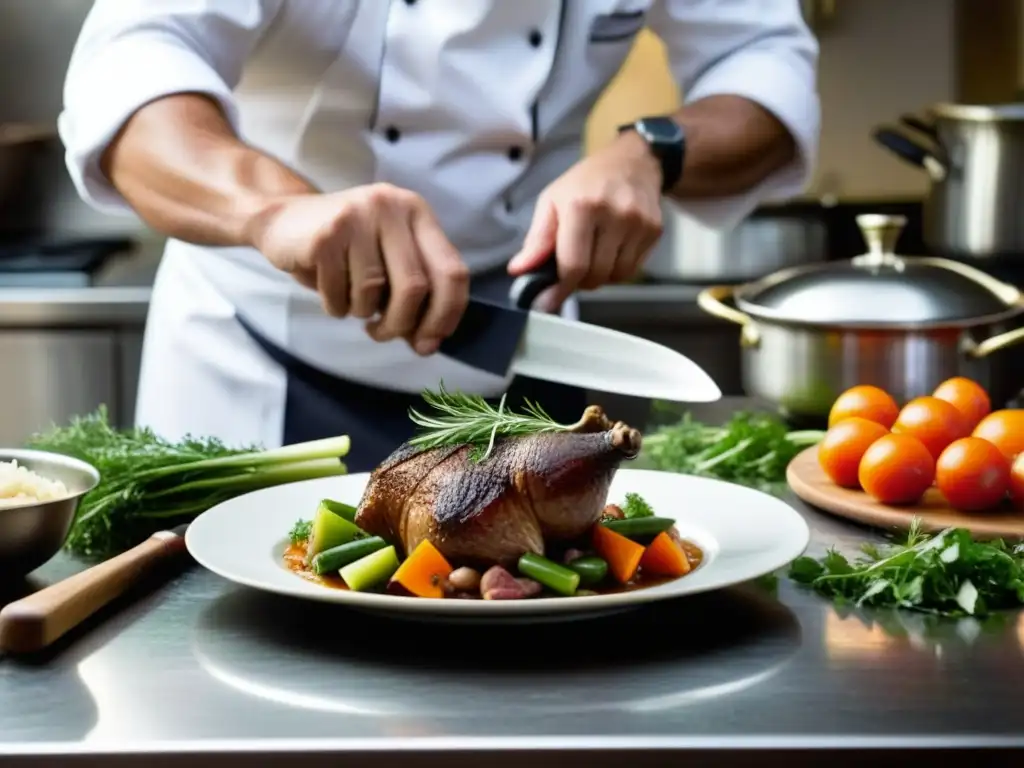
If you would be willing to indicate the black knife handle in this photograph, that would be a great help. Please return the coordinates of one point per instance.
(526, 288)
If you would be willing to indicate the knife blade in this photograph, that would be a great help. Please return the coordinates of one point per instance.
(504, 339)
(592, 357)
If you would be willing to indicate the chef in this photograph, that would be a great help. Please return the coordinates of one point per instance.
(302, 156)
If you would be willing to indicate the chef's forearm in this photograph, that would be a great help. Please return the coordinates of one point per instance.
(732, 144)
(180, 166)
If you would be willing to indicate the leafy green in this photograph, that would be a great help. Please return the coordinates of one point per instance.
(636, 505)
(947, 574)
(751, 449)
(148, 483)
(301, 531)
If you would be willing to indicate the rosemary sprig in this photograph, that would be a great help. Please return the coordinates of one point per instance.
(461, 419)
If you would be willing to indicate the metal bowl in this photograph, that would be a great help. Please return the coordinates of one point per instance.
(33, 533)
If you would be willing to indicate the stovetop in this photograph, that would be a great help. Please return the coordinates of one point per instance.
(53, 262)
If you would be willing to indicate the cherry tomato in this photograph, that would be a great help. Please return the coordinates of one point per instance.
(867, 402)
(1005, 430)
(934, 422)
(968, 397)
(1017, 482)
(972, 474)
(840, 451)
(897, 469)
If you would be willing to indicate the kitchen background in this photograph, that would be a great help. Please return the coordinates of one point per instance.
(70, 339)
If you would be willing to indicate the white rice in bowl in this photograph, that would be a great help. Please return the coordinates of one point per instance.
(19, 486)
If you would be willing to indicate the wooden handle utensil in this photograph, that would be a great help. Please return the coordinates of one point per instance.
(38, 620)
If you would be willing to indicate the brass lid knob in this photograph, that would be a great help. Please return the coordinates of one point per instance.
(881, 233)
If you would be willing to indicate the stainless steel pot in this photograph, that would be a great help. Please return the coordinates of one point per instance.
(768, 240)
(902, 323)
(974, 156)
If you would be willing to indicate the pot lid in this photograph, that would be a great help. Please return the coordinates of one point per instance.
(879, 287)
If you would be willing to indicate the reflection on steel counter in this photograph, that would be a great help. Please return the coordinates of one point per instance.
(751, 638)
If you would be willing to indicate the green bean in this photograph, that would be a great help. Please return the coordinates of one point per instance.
(592, 570)
(338, 557)
(555, 577)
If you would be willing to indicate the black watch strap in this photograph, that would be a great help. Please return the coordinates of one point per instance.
(667, 142)
(671, 156)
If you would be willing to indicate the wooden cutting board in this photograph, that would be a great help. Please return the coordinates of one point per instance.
(808, 481)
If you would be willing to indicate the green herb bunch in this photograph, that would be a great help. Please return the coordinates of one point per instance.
(948, 574)
(149, 484)
(751, 449)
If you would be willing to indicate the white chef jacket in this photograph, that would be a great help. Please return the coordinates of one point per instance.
(476, 105)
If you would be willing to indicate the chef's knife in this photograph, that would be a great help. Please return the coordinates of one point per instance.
(511, 338)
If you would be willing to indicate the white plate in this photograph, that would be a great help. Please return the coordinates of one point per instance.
(743, 533)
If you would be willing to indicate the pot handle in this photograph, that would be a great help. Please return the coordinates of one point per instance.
(712, 300)
(920, 125)
(910, 151)
(996, 343)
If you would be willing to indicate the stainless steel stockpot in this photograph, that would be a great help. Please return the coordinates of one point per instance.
(901, 323)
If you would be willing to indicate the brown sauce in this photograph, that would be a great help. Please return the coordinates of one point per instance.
(295, 561)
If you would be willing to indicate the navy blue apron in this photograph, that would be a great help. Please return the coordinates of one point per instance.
(319, 405)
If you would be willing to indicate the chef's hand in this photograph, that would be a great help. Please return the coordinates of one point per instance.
(600, 218)
(349, 245)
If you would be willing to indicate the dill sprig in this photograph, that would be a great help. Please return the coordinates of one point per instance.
(461, 419)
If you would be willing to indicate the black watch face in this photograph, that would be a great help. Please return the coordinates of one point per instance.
(660, 130)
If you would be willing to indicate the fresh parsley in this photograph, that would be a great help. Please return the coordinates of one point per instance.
(635, 505)
(751, 449)
(947, 574)
(301, 531)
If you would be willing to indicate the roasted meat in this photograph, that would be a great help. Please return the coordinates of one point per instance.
(530, 490)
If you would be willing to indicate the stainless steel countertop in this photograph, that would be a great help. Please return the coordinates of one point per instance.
(199, 668)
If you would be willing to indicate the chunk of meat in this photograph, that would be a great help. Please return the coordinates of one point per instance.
(499, 584)
(550, 486)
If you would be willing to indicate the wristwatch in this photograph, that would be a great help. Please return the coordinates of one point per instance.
(667, 142)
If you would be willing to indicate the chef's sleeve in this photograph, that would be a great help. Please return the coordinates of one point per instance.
(761, 50)
(132, 52)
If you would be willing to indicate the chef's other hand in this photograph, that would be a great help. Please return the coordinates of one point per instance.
(600, 218)
(348, 246)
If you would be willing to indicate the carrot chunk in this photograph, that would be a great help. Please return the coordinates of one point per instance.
(663, 557)
(621, 554)
(424, 571)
